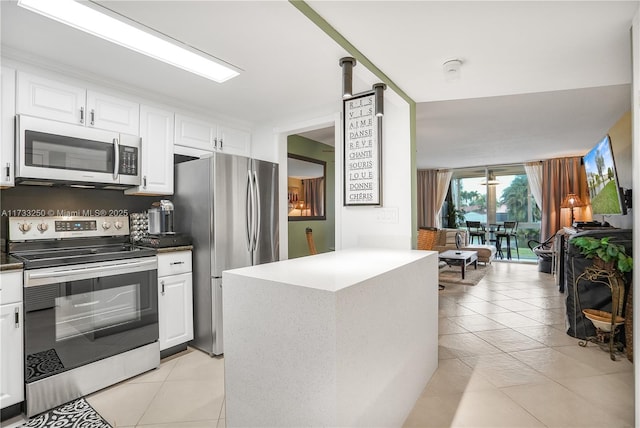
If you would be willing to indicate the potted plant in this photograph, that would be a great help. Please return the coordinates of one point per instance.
(605, 254)
(455, 217)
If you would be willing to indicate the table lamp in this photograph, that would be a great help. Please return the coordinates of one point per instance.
(572, 201)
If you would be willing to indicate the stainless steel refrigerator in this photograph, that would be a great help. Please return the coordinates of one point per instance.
(229, 205)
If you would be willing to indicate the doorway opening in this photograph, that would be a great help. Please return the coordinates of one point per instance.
(304, 185)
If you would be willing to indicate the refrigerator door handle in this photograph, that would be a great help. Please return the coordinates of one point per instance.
(249, 219)
(256, 207)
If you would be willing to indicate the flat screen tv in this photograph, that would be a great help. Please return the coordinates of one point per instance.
(603, 180)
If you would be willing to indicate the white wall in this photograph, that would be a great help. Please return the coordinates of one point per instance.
(621, 143)
(388, 226)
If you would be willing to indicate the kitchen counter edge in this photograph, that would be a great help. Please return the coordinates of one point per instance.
(174, 249)
(8, 262)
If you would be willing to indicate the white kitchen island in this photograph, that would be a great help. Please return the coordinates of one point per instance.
(348, 338)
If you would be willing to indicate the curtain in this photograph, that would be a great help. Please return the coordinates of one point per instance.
(559, 177)
(314, 194)
(444, 179)
(432, 190)
(534, 177)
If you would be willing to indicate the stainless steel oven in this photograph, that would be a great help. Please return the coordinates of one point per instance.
(48, 151)
(91, 306)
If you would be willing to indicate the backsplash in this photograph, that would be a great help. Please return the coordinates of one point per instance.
(37, 201)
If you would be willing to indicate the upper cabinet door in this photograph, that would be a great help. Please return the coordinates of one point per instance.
(50, 99)
(7, 135)
(112, 113)
(233, 141)
(156, 134)
(194, 133)
(41, 97)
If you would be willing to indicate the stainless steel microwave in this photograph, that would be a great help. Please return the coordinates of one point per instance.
(54, 152)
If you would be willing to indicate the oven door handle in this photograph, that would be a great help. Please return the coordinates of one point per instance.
(120, 268)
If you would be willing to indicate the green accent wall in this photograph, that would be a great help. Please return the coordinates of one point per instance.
(323, 230)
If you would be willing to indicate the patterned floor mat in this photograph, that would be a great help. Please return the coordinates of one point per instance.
(43, 363)
(76, 414)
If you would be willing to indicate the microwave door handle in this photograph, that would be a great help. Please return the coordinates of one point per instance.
(116, 158)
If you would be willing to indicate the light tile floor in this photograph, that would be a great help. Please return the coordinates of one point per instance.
(187, 390)
(505, 361)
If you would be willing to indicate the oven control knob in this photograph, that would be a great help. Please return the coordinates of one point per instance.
(24, 227)
(117, 225)
(106, 225)
(43, 227)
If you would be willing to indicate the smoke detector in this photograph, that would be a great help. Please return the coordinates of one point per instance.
(451, 69)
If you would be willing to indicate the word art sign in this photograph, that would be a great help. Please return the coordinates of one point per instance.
(362, 166)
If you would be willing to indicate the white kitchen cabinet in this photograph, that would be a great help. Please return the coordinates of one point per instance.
(7, 125)
(50, 99)
(42, 97)
(196, 133)
(156, 133)
(11, 327)
(204, 135)
(234, 141)
(113, 113)
(175, 298)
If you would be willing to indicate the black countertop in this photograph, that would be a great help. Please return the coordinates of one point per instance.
(8, 262)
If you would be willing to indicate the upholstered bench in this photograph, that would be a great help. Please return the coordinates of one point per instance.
(486, 253)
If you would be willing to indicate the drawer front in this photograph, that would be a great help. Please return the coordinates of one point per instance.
(10, 287)
(174, 263)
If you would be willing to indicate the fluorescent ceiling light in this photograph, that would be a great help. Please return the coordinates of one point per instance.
(84, 18)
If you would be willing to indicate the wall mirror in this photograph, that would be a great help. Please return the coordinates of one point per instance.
(306, 188)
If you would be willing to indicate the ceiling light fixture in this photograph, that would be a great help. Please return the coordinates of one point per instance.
(91, 21)
(378, 89)
(451, 69)
(347, 63)
(492, 181)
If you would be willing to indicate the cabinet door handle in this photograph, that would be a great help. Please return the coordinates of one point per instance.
(144, 181)
(220, 143)
(8, 170)
(176, 263)
(81, 114)
(17, 317)
(162, 284)
(215, 143)
(93, 116)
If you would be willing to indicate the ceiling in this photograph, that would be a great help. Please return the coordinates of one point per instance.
(538, 79)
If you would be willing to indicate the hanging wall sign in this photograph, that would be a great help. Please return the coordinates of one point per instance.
(362, 151)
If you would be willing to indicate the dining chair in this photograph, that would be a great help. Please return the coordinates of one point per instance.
(476, 229)
(509, 230)
(545, 252)
(310, 243)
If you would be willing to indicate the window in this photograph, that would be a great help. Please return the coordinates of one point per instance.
(495, 194)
